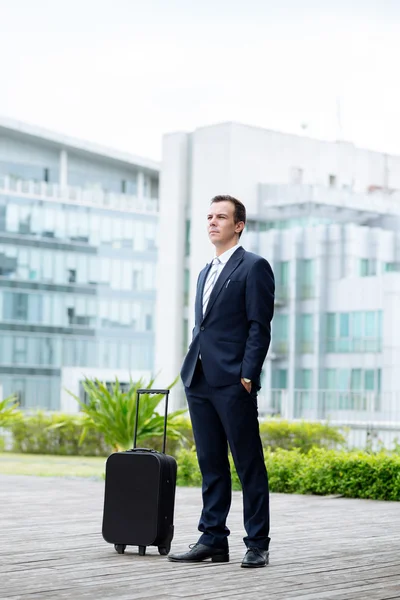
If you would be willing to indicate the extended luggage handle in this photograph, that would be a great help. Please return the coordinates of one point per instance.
(144, 391)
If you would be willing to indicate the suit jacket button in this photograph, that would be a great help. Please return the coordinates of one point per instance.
(201, 328)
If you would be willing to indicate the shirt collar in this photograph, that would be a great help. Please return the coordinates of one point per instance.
(226, 255)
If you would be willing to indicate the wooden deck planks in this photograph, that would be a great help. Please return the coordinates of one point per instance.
(322, 548)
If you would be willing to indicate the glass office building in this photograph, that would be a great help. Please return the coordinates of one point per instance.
(78, 253)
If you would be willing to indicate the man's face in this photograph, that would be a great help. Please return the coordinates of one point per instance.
(222, 229)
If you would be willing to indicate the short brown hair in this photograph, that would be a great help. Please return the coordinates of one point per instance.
(240, 209)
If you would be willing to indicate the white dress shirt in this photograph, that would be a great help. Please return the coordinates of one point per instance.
(224, 259)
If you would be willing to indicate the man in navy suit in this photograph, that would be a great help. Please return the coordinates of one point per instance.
(221, 373)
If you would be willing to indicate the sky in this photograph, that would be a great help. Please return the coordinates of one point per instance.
(124, 72)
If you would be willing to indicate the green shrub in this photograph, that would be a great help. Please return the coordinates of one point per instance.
(322, 472)
(56, 433)
(112, 412)
(174, 446)
(9, 412)
(188, 469)
(352, 474)
(302, 435)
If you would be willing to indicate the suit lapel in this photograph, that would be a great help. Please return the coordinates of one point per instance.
(227, 271)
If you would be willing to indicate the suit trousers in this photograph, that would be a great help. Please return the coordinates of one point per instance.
(222, 415)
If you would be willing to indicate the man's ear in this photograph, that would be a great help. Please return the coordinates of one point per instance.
(239, 227)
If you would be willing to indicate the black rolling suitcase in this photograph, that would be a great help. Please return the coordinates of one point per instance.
(140, 494)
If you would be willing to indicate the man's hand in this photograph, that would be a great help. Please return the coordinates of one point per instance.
(246, 385)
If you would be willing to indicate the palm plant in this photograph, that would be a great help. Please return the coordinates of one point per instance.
(112, 412)
(9, 411)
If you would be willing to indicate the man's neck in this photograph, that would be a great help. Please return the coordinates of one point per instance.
(221, 249)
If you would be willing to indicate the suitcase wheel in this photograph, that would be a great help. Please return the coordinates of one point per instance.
(120, 548)
(164, 550)
(142, 550)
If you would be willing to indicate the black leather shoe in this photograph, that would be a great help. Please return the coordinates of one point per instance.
(255, 557)
(200, 552)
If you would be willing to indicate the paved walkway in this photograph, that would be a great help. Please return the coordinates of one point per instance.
(323, 548)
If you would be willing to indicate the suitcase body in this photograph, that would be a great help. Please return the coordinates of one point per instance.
(139, 496)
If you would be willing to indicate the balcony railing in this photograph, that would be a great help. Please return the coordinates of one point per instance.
(279, 348)
(307, 292)
(345, 406)
(353, 345)
(281, 295)
(75, 195)
(367, 419)
(306, 347)
(277, 196)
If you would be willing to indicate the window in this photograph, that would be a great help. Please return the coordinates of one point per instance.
(8, 265)
(187, 238)
(350, 389)
(330, 379)
(20, 350)
(306, 379)
(185, 337)
(304, 398)
(19, 389)
(280, 333)
(332, 180)
(281, 272)
(343, 379)
(186, 287)
(149, 322)
(129, 186)
(344, 333)
(367, 267)
(151, 236)
(279, 379)
(354, 332)
(281, 327)
(71, 276)
(392, 267)
(330, 331)
(344, 325)
(306, 336)
(15, 306)
(369, 380)
(137, 280)
(370, 324)
(356, 379)
(306, 278)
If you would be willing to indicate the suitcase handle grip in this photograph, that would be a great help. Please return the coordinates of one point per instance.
(144, 391)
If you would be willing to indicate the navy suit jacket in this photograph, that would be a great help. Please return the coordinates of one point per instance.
(234, 334)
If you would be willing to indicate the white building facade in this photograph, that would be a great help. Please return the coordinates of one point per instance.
(326, 215)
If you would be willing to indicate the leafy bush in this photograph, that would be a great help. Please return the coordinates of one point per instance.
(322, 472)
(174, 446)
(113, 413)
(9, 412)
(188, 469)
(56, 433)
(352, 474)
(303, 435)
